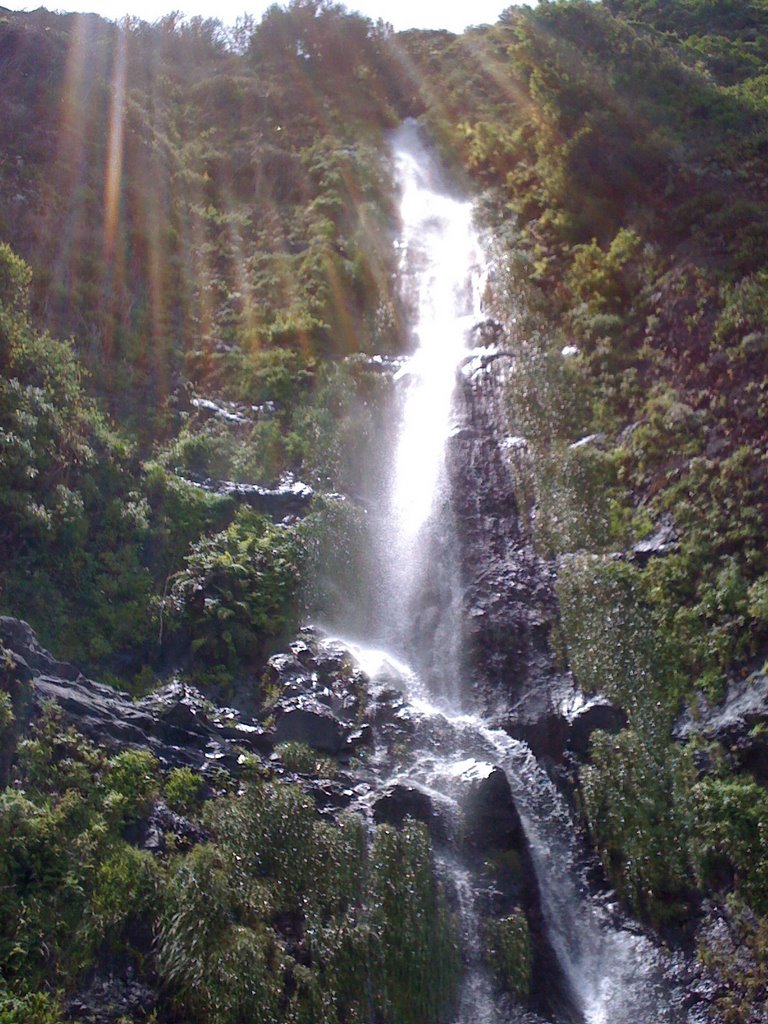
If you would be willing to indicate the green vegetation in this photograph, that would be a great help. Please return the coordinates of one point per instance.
(509, 953)
(415, 950)
(298, 757)
(207, 214)
(214, 244)
(279, 914)
(238, 591)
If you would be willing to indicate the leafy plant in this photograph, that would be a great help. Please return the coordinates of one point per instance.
(238, 592)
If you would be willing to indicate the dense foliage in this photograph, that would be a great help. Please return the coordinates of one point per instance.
(278, 915)
(210, 239)
(208, 214)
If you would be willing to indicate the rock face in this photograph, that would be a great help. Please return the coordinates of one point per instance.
(509, 600)
(319, 701)
(319, 695)
(558, 723)
(662, 542)
(303, 719)
(152, 831)
(739, 722)
(596, 715)
(110, 999)
(176, 723)
(290, 499)
(493, 831)
(399, 801)
(490, 817)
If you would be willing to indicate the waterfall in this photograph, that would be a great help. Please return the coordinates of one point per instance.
(606, 972)
(442, 275)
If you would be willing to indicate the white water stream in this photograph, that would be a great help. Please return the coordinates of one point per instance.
(610, 973)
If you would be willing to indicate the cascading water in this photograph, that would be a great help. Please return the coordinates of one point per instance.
(441, 269)
(608, 973)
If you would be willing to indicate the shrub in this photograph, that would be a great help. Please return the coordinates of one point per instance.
(133, 776)
(7, 717)
(31, 1008)
(612, 644)
(729, 842)
(508, 950)
(126, 884)
(238, 592)
(267, 833)
(415, 962)
(182, 790)
(635, 799)
(298, 757)
(221, 968)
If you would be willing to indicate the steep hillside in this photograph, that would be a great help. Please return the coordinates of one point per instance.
(621, 150)
(208, 217)
(207, 214)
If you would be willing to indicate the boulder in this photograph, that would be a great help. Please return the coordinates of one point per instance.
(546, 733)
(305, 720)
(400, 800)
(19, 637)
(557, 721)
(662, 542)
(362, 737)
(490, 818)
(487, 332)
(283, 669)
(291, 498)
(597, 715)
(150, 833)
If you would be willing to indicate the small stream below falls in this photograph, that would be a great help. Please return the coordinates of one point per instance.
(607, 973)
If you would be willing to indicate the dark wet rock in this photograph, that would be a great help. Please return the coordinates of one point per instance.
(227, 412)
(111, 999)
(19, 637)
(306, 720)
(151, 832)
(292, 498)
(487, 331)
(516, 1015)
(400, 801)
(705, 763)
(662, 542)
(285, 668)
(98, 711)
(547, 736)
(321, 692)
(304, 652)
(389, 707)
(379, 364)
(362, 737)
(739, 722)
(558, 722)
(490, 817)
(508, 593)
(333, 662)
(590, 441)
(597, 715)
(330, 795)
(539, 718)
(176, 723)
(728, 972)
(493, 833)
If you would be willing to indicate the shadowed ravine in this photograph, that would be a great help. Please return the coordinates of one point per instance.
(590, 968)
